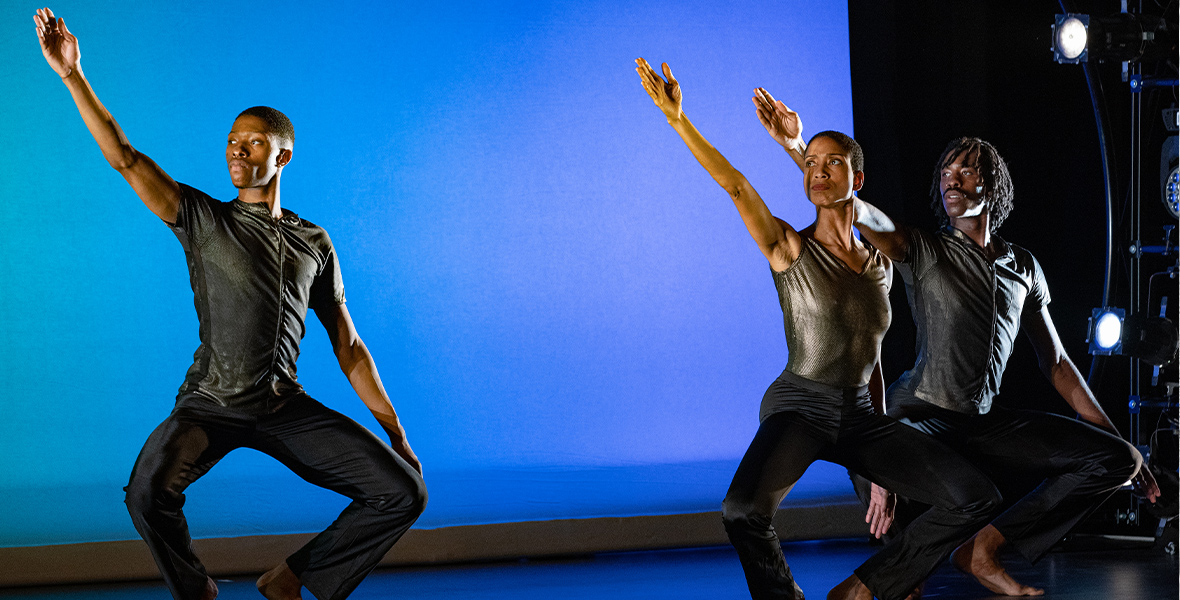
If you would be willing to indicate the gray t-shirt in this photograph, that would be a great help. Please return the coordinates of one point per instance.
(253, 279)
(967, 310)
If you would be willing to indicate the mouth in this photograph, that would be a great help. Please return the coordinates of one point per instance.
(819, 187)
(952, 195)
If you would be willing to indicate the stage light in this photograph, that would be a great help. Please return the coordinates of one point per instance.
(1106, 331)
(1119, 37)
(1172, 193)
(1170, 171)
(1150, 339)
(1069, 38)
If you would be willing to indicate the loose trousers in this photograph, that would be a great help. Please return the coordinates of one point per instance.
(1073, 465)
(320, 445)
(839, 426)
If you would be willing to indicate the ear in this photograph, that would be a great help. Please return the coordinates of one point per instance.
(858, 180)
(283, 158)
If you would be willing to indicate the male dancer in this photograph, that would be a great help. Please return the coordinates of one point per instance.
(826, 404)
(969, 292)
(255, 269)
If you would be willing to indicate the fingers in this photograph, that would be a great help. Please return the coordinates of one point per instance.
(65, 31)
(668, 74)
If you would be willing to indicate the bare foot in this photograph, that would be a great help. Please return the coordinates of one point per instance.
(210, 589)
(279, 583)
(978, 557)
(850, 589)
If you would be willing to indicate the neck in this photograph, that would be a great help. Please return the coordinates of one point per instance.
(267, 194)
(833, 225)
(977, 228)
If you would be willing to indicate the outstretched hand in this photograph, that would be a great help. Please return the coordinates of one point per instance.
(666, 94)
(882, 504)
(58, 45)
(782, 123)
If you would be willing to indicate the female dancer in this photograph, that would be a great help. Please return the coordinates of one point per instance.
(834, 293)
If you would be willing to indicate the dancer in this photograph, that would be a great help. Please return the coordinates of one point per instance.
(833, 291)
(255, 269)
(970, 291)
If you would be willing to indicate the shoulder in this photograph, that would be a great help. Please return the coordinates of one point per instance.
(1025, 262)
(316, 235)
(190, 193)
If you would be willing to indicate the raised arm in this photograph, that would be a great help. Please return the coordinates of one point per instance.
(778, 241)
(157, 190)
(1068, 382)
(357, 364)
(878, 229)
(782, 123)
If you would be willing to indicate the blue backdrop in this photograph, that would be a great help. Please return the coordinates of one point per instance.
(565, 308)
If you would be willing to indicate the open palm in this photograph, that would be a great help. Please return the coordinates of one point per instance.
(58, 45)
(666, 94)
(782, 123)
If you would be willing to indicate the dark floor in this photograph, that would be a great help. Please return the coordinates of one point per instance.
(1095, 571)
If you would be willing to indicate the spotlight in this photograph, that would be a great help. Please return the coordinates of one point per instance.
(1069, 38)
(1106, 331)
(1120, 37)
(1170, 176)
(1150, 339)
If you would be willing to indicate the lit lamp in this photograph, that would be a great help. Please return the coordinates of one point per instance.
(1069, 38)
(1106, 331)
(1119, 37)
(1150, 339)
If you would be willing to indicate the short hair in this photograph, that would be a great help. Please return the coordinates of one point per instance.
(997, 182)
(276, 122)
(856, 156)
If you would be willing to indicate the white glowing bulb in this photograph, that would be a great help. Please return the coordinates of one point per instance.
(1071, 38)
(1108, 331)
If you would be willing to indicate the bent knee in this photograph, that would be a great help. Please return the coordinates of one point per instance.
(407, 497)
(143, 497)
(982, 499)
(1122, 462)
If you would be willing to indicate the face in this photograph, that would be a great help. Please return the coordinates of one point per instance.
(253, 154)
(827, 173)
(962, 187)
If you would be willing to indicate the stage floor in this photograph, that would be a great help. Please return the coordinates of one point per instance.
(1090, 574)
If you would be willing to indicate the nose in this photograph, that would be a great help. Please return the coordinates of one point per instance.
(238, 151)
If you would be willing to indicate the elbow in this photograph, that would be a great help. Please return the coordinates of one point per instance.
(123, 159)
(736, 187)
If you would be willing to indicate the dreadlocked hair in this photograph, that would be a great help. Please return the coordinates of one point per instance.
(997, 182)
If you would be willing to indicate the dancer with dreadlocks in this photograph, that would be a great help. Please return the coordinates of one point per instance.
(833, 290)
(969, 292)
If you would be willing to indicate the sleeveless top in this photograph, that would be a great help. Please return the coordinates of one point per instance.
(834, 317)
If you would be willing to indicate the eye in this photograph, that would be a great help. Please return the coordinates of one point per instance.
(256, 143)
(809, 163)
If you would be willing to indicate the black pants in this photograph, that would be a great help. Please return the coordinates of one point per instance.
(320, 445)
(839, 426)
(1070, 466)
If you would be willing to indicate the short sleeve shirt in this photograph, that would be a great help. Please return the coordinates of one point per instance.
(253, 279)
(967, 311)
